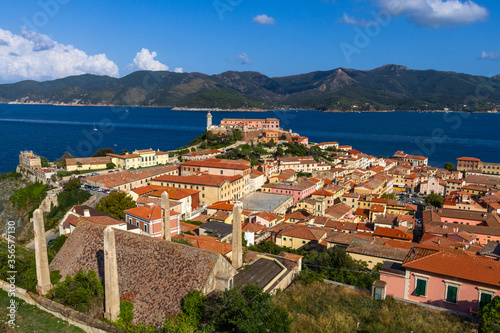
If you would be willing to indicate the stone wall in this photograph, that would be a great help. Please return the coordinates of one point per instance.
(75, 318)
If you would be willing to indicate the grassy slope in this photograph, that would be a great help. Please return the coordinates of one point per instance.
(325, 308)
(31, 319)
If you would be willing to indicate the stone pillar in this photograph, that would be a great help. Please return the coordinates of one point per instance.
(165, 222)
(111, 288)
(237, 256)
(42, 260)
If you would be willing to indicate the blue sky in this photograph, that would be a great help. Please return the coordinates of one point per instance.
(46, 39)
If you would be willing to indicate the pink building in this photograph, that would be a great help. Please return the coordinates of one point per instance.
(148, 218)
(453, 280)
(298, 191)
(271, 123)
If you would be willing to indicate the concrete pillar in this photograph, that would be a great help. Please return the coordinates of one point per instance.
(111, 288)
(41, 258)
(237, 256)
(165, 223)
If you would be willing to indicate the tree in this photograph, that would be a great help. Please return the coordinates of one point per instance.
(449, 166)
(45, 162)
(103, 152)
(389, 196)
(61, 162)
(110, 165)
(115, 204)
(79, 165)
(248, 309)
(434, 199)
(72, 184)
(489, 316)
(123, 151)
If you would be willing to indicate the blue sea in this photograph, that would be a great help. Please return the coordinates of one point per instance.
(51, 130)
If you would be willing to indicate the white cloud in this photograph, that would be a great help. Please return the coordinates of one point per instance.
(241, 58)
(145, 60)
(264, 19)
(490, 55)
(436, 13)
(352, 21)
(35, 56)
(178, 70)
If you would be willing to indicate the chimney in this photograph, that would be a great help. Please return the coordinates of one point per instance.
(439, 241)
(165, 222)
(237, 256)
(111, 291)
(86, 213)
(41, 258)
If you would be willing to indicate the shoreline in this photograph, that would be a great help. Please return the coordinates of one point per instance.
(176, 108)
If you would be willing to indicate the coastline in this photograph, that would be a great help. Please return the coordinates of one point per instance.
(177, 108)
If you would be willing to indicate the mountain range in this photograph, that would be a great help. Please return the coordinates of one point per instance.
(390, 87)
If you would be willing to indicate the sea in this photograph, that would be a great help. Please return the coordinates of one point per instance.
(51, 130)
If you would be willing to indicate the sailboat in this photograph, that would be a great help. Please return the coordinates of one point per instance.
(95, 129)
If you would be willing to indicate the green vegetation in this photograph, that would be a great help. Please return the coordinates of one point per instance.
(192, 222)
(79, 292)
(181, 241)
(434, 199)
(65, 200)
(390, 196)
(449, 166)
(115, 203)
(11, 175)
(337, 265)
(61, 174)
(30, 319)
(29, 197)
(296, 149)
(110, 165)
(272, 248)
(45, 162)
(72, 184)
(246, 310)
(321, 307)
(246, 152)
(61, 162)
(221, 99)
(489, 317)
(209, 140)
(103, 152)
(24, 265)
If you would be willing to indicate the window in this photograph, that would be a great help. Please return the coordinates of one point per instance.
(145, 227)
(130, 221)
(421, 286)
(485, 296)
(284, 238)
(451, 293)
(137, 223)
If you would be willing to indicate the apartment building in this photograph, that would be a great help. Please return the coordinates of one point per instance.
(140, 159)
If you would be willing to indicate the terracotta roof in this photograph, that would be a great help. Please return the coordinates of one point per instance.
(253, 227)
(468, 159)
(301, 232)
(204, 180)
(155, 274)
(102, 220)
(88, 160)
(375, 250)
(149, 212)
(338, 211)
(220, 164)
(207, 243)
(392, 233)
(268, 216)
(471, 268)
(174, 193)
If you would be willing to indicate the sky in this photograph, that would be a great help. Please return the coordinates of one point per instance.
(48, 39)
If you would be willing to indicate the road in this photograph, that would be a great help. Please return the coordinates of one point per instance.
(49, 235)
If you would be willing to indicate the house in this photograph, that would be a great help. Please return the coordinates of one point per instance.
(254, 233)
(268, 123)
(149, 219)
(154, 274)
(462, 200)
(257, 179)
(296, 237)
(221, 231)
(139, 159)
(29, 160)
(414, 160)
(87, 163)
(188, 199)
(298, 191)
(374, 252)
(268, 136)
(267, 219)
(303, 140)
(212, 188)
(433, 185)
(389, 233)
(453, 280)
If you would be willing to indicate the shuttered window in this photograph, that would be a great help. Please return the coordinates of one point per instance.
(451, 294)
(421, 289)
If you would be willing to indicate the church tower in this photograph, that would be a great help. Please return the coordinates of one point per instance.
(209, 120)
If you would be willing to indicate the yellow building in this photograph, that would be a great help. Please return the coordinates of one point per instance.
(140, 159)
(296, 237)
(87, 163)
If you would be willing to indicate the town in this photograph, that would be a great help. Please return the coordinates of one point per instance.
(202, 216)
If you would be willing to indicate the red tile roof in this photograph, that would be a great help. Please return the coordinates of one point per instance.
(392, 233)
(220, 163)
(204, 180)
